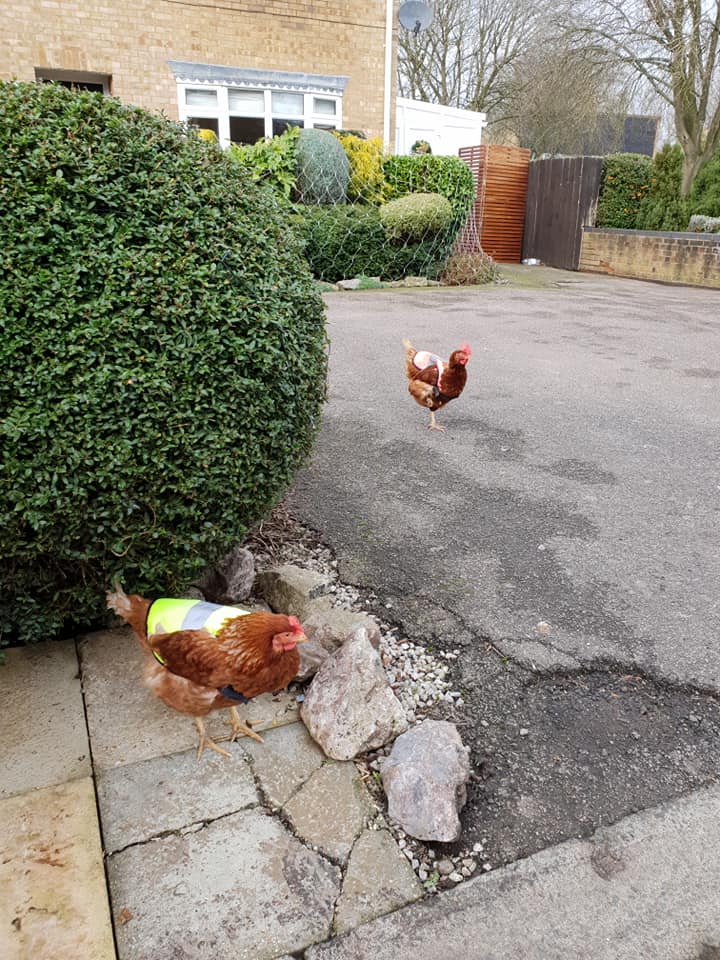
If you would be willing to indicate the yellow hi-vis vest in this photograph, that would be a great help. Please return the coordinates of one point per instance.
(167, 616)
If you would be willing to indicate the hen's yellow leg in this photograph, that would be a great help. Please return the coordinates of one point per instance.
(239, 727)
(205, 741)
(433, 424)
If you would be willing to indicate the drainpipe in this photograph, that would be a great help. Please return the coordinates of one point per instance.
(389, 6)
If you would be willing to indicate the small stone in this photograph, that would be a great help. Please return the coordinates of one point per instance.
(466, 872)
(445, 867)
(484, 723)
(524, 731)
(477, 847)
(470, 864)
(487, 866)
(456, 877)
(422, 874)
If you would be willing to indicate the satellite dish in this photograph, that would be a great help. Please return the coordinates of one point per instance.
(415, 15)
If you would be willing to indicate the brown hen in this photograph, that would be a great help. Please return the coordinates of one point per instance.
(204, 657)
(434, 382)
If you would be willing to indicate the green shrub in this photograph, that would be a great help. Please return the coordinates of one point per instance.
(271, 161)
(705, 192)
(423, 173)
(162, 348)
(623, 186)
(349, 241)
(323, 170)
(365, 157)
(465, 268)
(416, 216)
(662, 207)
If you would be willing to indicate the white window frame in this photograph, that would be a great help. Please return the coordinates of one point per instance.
(222, 113)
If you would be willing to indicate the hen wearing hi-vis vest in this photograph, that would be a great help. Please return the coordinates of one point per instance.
(203, 657)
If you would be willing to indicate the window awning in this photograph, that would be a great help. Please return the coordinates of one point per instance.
(188, 72)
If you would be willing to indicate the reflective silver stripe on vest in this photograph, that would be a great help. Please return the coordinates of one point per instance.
(196, 616)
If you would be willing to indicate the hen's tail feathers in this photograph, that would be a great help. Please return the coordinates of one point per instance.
(117, 600)
(410, 352)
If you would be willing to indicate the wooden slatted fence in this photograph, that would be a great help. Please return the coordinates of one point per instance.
(498, 214)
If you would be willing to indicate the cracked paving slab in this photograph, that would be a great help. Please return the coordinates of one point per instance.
(143, 800)
(331, 808)
(643, 889)
(240, 887)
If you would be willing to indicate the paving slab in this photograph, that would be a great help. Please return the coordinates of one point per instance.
(643, 889)
(43, 740)
(284, 761)
(377, 881)
(143, 800)
(241, 887)
(54, 898)
(127, 724)
(331, 809)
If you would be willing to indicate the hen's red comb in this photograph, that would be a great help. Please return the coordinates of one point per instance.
(465, 348)
(295, 625)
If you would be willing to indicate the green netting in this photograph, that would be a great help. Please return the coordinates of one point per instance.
(364, 213)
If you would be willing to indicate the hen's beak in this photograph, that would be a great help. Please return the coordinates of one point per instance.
(300, 637)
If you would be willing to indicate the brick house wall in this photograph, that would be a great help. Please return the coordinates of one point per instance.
(689, 258)
(133, 40)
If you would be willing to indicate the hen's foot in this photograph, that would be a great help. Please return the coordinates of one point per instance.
(238, 727)
(205, 741)
(434, 425)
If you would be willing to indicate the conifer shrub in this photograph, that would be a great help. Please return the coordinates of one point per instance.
(163, 355)
(662, 208)
(323, 169)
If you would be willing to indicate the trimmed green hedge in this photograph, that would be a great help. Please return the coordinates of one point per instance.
(423, 173)
(705, 192)
(163, 355)
(624, 184)
(416, 216)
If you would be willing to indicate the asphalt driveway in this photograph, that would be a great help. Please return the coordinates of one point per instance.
(563, 532)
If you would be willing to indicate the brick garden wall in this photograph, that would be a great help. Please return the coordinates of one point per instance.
(132, 40)
(650, 255)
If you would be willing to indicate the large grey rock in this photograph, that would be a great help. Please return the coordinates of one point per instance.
(331, 809)
(327, 628)
(231, 581)
(241, 887)
(43, 739)
(143, 800)
(290, 589)
(424, 779)
(378, 880)
(349, 707)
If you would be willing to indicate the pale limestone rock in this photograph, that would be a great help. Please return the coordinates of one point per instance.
(327, 628)
(424, 779)
(378, 880)
(331, 809)
(349, 707)
(289, 589)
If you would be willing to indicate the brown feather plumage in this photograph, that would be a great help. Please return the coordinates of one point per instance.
(198, 663)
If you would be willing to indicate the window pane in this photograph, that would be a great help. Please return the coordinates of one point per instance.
(246, 129)
(205, 123)
(201, 98)
(280, 126)
(323, 107)
(291, 104)
(251, 103)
